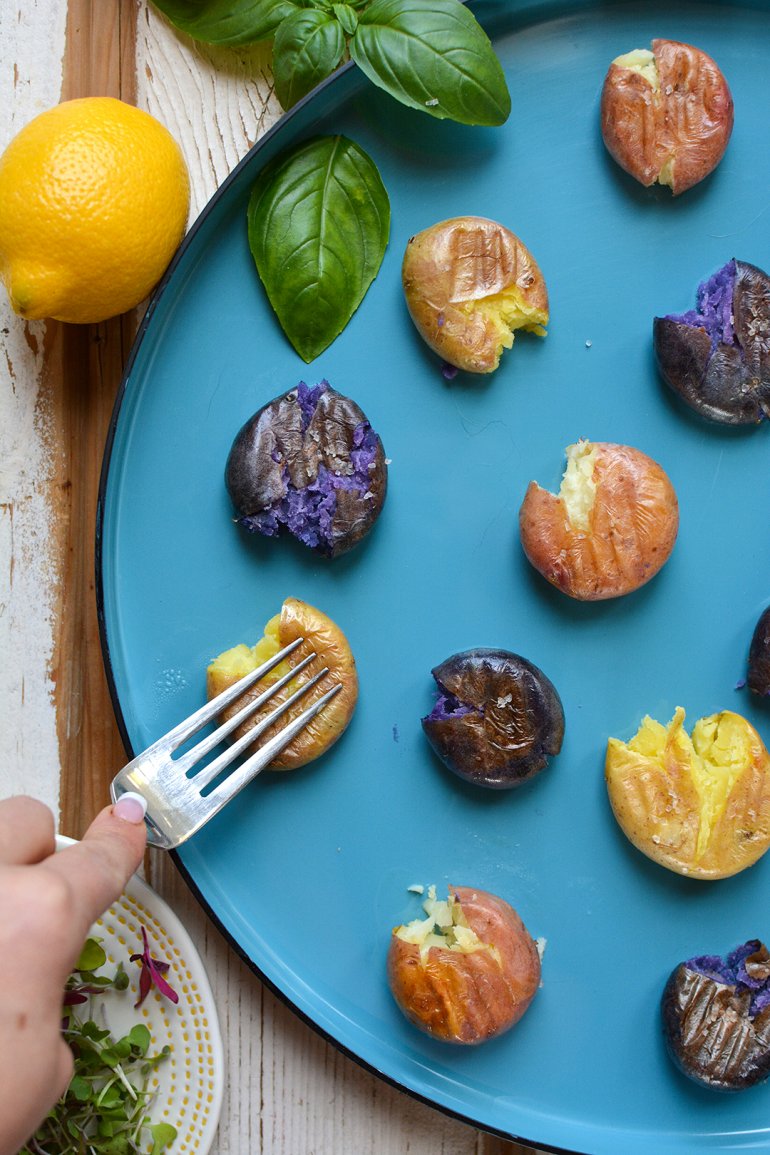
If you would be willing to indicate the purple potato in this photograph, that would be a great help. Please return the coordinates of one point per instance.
(716, 1017)
(717, 357)
(310, 463)
(497, 718)
(758, 679)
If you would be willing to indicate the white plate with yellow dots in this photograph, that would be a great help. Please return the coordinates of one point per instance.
(189, 1084)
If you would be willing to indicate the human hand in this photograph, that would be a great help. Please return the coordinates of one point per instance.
(48, 903)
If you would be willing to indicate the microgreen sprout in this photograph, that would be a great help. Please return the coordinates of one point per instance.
(105, 1109)
(152, 974)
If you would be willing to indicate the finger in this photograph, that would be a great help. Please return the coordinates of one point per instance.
(27, 831)
(98, 868)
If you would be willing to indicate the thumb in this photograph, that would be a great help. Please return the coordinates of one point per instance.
(98, 867)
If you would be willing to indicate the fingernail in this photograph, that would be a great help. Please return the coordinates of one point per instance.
(130, 807)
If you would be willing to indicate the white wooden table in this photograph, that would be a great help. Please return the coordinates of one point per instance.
(288, 1091)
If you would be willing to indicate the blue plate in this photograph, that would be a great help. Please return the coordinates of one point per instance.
(308, 872)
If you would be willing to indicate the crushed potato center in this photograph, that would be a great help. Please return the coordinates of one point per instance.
(445, 927)
(643, 61)
(241, 659)
(578, 488)
(716, 754)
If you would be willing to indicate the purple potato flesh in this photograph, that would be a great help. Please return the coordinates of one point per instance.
(308, 463)
(497, 718)
(717, 357)
(716, 1017)
(758, 678)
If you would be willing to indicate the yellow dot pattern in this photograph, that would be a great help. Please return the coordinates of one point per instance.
(185, 1082)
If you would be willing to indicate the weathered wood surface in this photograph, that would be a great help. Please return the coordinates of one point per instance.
(288, 1091)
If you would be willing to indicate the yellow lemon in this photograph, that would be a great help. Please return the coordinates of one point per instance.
(94, 197)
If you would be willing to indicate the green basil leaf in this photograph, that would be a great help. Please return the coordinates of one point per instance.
(319, 219)
(228, 21)
(347, 17)
(308, 46)
(432, 55)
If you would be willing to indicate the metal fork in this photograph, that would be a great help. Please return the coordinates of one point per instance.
(176, 806)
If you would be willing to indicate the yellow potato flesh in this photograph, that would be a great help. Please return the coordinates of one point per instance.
(716, 755)
(578, 487)
(506, 312)
(242, 659)
(445, 927)
(643, 61)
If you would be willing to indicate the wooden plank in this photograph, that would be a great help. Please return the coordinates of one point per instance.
(83, 368)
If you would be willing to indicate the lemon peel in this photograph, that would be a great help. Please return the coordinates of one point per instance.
(94, 199)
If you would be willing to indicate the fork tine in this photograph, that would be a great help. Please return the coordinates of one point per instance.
(187, 760)
(262, 757)
(209, 711)
(209, 773)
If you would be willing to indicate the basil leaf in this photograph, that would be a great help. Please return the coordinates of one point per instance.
(432, 55)
(228, 21)
(308, 46)
(319, 218)
(347, 17)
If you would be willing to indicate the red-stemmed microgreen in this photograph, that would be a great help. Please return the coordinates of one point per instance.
(152, 974)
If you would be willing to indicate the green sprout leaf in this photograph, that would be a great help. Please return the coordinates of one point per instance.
(318, 225)
(139, 1038)
(308, 47)
(228, 21)
(92, 956)
(432, 55)
(162, 1135)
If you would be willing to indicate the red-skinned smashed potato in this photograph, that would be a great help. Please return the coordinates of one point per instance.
(698, 805)
(469, 283)
(468, 971)
(666, 115)
(610, 528)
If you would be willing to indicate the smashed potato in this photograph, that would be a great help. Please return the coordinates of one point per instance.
(697, 805)
(666, 114)
(297, 619)
(468, 970)
(609, 529)
(469, 283)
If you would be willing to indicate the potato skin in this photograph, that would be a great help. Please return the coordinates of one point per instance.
(659, 809)
(468, 998)
(632, 528)
(723, 381)
(513, 725)
(759, 657)
(690, 118)
(457, 262)
(710, 1033)
(285, 451)
(322, 635)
